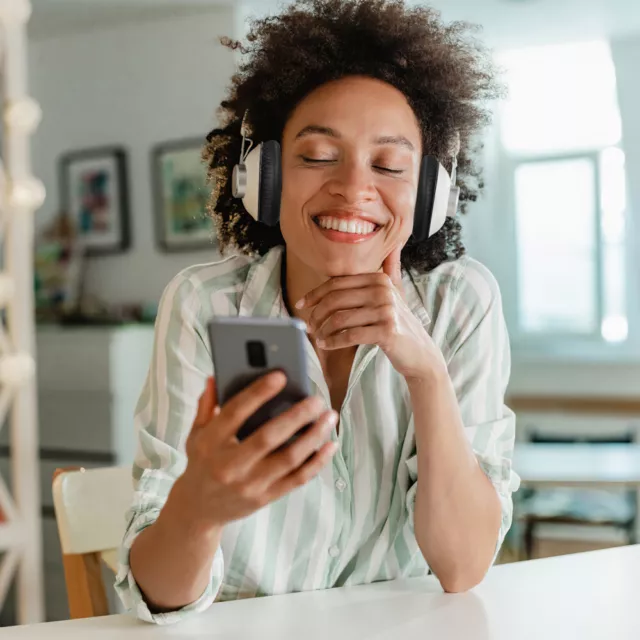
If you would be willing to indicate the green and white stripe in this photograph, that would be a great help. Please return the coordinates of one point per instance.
(353, 523)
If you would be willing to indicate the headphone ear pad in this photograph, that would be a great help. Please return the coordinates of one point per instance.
(270, 188)
(427, 186)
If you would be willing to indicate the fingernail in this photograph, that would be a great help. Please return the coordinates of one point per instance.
(300, 303)
(333, 418)
(321, 343)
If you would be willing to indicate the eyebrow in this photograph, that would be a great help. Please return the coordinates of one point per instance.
(314, 129)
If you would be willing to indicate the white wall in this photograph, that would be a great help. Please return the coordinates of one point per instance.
(135, 85)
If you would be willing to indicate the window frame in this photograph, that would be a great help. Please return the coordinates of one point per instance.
(567, 345)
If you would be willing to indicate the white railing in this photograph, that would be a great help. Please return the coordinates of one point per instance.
(20, 195)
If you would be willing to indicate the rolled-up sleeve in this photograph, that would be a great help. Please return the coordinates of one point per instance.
(470, 329)
(479, 364)
(164, 414)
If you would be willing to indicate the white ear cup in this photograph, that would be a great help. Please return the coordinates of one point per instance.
(440, 201)
(251, 197)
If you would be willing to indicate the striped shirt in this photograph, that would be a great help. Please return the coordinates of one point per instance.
(353, 522)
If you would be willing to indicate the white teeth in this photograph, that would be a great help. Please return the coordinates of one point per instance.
(347, 225)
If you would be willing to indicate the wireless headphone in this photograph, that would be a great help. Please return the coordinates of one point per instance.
(257, 181)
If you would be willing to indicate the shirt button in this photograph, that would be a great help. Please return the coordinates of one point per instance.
(334, 552)
(341, 485)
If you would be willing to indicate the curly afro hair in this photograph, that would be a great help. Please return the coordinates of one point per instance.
(446, 75)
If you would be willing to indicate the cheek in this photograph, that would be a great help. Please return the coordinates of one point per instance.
(297, 191)
(401, 201)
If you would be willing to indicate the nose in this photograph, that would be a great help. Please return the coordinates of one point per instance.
(353, 181)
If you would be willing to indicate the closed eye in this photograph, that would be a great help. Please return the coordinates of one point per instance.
(315, 160)
(319, 161)
(388, 170)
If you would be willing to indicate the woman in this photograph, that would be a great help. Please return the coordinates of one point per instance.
(407, 468)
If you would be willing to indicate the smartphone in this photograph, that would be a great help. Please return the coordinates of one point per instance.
(244, 349)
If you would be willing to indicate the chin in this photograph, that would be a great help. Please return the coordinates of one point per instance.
(342, 266)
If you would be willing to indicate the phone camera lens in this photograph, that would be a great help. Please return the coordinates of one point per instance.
(256, 354)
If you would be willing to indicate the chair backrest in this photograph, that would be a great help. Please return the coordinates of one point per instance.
(90, 506)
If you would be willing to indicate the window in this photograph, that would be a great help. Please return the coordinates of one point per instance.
(561, 131)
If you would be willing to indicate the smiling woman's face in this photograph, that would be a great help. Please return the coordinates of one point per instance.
(351, 155)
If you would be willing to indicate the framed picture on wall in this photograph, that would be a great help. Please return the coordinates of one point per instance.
(94, 193)
(181, 196)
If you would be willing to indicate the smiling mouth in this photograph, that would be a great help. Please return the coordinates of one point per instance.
(355, 226)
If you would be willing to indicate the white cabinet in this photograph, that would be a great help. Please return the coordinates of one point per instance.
(88, 384)
(89, 380)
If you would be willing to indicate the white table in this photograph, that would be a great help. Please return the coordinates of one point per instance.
(578, 465)
(591, 596)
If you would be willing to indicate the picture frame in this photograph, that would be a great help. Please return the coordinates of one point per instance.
(94, 192)
(181, 194)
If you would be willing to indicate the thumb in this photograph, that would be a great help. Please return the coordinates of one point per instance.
(392, 267)
(207, 404)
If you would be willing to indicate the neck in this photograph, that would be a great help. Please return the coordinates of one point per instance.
(300, 280)
(336, 365)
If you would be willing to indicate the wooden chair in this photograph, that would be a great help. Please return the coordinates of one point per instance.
(90, 507)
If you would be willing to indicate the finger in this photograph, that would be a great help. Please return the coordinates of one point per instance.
(283, 462)
(276, 432)
(340, 283)
(304, 473)
(206, 404)
(393, 268)
(374, 334)
(244, 404)
(361, 317)
(372, 296)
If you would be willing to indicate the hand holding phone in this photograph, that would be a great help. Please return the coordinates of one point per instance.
(230, 479)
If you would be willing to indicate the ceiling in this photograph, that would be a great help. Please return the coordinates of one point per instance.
(506, 23)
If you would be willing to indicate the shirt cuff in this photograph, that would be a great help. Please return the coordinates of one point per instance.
(133, 599)
(498, 469)
(505, 481)
(147, 504)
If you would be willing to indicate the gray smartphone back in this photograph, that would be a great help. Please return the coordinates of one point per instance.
(245, 349)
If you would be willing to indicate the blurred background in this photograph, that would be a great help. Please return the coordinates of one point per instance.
(128, 89)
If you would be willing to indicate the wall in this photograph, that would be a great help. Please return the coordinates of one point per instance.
(135, 85)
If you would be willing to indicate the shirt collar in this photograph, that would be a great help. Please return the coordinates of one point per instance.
(262, 294)
(262, 297)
